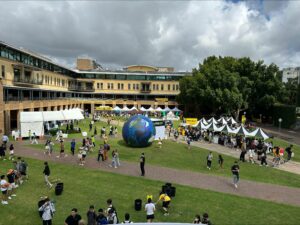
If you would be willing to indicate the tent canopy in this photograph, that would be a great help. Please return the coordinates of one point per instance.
(116, 108)
(176, 109)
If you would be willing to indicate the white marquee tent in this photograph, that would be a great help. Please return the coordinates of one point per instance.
(34, 121)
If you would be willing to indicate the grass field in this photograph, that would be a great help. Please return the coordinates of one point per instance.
(176, 155)
(85, 186)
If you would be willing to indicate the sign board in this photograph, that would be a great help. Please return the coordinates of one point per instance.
(191, 121)
(159, 128)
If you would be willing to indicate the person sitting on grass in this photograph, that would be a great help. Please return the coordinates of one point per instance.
(127, 218)
(12, 185)
(4, 186)
(165, 202)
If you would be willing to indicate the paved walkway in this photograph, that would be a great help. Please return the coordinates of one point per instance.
(291, 166)
(275, 193)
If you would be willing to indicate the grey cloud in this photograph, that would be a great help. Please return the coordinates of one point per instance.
(179, 34)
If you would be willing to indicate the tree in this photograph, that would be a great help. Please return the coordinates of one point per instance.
(229, 85)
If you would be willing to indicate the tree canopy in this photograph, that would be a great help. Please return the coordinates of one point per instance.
(227, 85)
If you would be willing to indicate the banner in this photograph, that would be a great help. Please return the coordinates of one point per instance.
(191, 121)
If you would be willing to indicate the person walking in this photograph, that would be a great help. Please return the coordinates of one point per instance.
(34, 139)
(46, 173)
(73, 145)
(142, 164)
(235, 169)
(150, 208)
(209, 160)
(188, 141)
(100, 153)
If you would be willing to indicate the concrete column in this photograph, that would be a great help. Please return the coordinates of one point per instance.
(92, 108)
(18, 119)
(7, 122)
(1, 109)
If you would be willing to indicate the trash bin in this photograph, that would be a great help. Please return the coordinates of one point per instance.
(138, 204)
(59, 188)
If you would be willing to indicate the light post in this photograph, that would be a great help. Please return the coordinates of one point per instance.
(260, 115)
(279, 127)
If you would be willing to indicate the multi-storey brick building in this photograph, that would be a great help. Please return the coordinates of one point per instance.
(30, 82)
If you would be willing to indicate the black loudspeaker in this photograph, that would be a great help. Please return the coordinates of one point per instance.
(59, 188)
(172, 191)
(138, 204)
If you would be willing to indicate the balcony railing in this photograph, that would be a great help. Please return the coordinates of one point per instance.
(145, 90)
(24, 80)
(81, 89)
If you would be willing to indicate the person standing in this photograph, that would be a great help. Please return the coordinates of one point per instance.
(150, 208)
(142, 164)
(91, 216)
(46, 173)
(48, 210)
(73, 145)
(235, 169)
(188, 141)
(74, 218)
(4, 186)
(209, 160)
(34, 139)
(289, 152)
(221, 161)
(100, 153)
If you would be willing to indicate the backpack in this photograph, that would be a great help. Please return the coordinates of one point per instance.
(116, 214)
(102, 220)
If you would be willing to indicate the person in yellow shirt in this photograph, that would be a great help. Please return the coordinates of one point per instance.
(165, 202)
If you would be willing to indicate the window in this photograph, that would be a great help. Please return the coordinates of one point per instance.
(3, 71)
(133, 86)
(153, 87)
(98, 85)
(101, 85)
(177, 87)
(119, 86)
(122, 86)
(137, 86)
(173, 87)
(129, 86)
(108, 85)
(169, 87)
(63, 83)
(162, 87)
(112, 86)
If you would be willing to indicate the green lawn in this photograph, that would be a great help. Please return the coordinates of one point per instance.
(176, 155)
(85, 186)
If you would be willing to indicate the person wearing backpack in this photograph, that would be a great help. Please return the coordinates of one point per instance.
(101, 218)
(47, 210)
(111, 211)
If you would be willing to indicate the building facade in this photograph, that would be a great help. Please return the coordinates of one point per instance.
(31, 82)
(291, 73)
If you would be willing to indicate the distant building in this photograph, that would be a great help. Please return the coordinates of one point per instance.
(290, 73)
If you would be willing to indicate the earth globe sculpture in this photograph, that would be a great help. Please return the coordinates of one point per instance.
(138, 131)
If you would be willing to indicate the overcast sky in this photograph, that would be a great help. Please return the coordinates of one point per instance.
(179, 34)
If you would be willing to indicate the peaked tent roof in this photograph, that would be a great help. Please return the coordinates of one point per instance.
(218, 129)
(125, 108)
(259, 133)
(167, 109)
(143, 109)
(176, 109)
(158, 109)
(222, 120)
(133, 108)
(231, 121)
(117, 108)
(150, 109)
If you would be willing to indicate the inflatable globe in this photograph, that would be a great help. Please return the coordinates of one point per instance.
(138, 131)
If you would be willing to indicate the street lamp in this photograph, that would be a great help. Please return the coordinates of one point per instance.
(279, 120)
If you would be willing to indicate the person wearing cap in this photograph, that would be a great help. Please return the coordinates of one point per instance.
(12, 185)
(165, 202)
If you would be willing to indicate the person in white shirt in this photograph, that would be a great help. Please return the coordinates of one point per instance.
(4, 186)
(48, 210)
(150, 208)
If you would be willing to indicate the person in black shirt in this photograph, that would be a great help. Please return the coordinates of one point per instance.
(142, 164)
(74, 218)
(235, 169)
(289, 152)
(46, 172)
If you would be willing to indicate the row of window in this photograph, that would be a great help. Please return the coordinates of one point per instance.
(155, 87)
(127, 77)
(15, 55)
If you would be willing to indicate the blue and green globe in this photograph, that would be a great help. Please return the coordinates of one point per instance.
(138, 131)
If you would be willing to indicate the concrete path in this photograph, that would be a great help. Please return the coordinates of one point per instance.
(275, 193)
